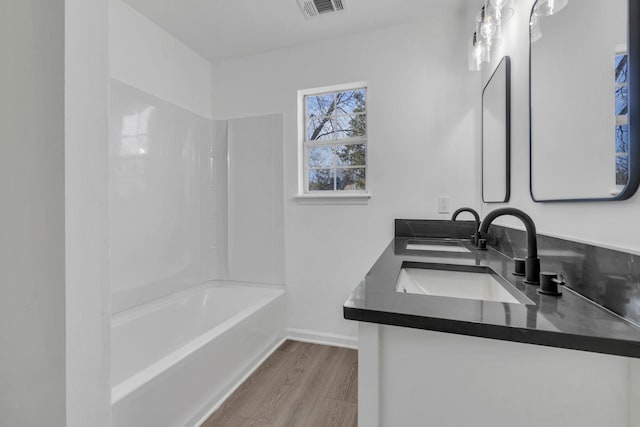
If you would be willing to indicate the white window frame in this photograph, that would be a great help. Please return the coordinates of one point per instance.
(328, 196)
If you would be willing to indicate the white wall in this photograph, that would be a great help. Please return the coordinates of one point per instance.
(145, 56)
(422, 143)
(609, 224)
(162, 207)
(32, 271)
(86, 199)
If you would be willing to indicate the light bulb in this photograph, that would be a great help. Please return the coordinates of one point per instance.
(487, 29)
(487, 24)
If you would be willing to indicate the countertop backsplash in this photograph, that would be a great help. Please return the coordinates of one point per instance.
(608, 277)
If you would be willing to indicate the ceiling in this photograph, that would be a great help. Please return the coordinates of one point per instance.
(222, 29)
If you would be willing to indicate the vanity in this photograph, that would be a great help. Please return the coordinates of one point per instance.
(503, 356)
(448, 335)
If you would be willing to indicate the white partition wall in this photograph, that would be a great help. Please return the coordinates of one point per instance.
(256, 221)
(86, 213)
(54, 334)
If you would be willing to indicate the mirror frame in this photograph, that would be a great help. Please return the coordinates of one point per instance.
(633, 58)
(506, 60)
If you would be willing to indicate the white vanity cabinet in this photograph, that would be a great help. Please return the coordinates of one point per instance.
(420, 378)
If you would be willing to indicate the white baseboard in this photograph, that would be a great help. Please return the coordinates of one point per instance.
(323, 338)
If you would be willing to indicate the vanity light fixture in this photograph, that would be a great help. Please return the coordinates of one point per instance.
(486, 25)
(488, 31)
(549, 7)
(479, 52)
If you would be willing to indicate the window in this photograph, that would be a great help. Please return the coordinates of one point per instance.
(334, 140)
(622, 118)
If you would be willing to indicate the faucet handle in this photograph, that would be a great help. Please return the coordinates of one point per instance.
(549, 284)
(519, 267)
(482, 244)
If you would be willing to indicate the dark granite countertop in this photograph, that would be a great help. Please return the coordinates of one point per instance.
(570, 321)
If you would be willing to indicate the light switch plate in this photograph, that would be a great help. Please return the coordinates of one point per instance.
(444, 203)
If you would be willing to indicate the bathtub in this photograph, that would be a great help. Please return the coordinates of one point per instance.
(174, 359)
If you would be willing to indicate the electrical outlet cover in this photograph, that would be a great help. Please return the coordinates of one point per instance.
(443, 205)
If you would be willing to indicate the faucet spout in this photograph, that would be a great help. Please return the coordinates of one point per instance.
(532, 262)
(476, 218)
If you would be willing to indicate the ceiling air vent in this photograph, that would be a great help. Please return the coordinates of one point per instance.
(314, 8)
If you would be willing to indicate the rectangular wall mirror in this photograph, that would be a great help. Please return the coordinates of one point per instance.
(583, 68)
(496, 135)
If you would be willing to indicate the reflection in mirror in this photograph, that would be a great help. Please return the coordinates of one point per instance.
(496, 135)
(581, 146)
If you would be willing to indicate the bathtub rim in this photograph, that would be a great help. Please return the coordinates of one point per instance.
(128, 386)
(138, 310)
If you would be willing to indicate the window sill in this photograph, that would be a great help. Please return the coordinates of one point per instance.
(333, 199)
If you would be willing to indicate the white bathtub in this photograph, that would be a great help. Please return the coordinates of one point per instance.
(175, 358)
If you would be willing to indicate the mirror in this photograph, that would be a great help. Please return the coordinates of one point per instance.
(582, 66)
(496, 135)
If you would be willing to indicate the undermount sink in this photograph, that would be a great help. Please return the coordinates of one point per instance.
(468, 282)
(436, 245)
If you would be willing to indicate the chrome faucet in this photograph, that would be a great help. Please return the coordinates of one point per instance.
(476, 235)
(532, 262)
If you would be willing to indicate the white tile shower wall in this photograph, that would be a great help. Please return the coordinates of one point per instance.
(602, 223)
(423, 117)
(256, 219)
(210, 207)
(156, 225)
(217, 256)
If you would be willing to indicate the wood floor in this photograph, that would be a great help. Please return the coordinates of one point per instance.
(299, 385)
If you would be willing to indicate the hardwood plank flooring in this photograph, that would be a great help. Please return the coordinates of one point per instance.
(299, 385)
